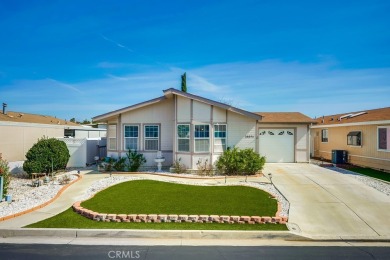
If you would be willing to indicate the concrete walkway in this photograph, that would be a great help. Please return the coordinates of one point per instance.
(76, 191)
(326, 205)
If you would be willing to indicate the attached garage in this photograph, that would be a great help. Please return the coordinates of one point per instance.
(283, 137)
(278, 145)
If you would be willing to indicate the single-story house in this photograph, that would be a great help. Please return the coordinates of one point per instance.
(20, 131)
(193, 128)
(365, 135)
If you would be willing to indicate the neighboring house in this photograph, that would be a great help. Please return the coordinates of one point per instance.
(365, 135)
(20, 131)
(192, 128)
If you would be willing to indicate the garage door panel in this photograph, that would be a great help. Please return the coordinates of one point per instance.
(277, 144)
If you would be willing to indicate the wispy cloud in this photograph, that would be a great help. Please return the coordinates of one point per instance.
(64, 85)
(314, 89)
(116, 43)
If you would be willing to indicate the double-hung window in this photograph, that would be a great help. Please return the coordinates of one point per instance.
(111, 137)
(202, 138)
(354, 138)
(324, 135)
(183, 138)
(219, 138)
(131, 137)
(151, 136)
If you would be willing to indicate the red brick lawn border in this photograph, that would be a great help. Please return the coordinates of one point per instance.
(160, 218)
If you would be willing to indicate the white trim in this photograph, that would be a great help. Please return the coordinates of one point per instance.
(327, 136)
(361, 139)
(202, 138)
(377, 139)
(183, 138)
(219, 138)
(354, 124)
(26, 124)
(138, 138)
(151, 138)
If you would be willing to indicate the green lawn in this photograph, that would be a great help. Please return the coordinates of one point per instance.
(70, 219)
(155, 197)
(371, 172)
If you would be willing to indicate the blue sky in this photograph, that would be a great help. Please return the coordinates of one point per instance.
(84, 58)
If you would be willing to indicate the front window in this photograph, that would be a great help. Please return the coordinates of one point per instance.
(131, 137)
(202, 138)
(183, 138)
(151, 137)
(69, 133)
(324, 135)
(219, 138)
(354, 138)
(384, 138)
(112, 137)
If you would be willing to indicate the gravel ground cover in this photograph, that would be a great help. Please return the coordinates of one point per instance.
(25, 196)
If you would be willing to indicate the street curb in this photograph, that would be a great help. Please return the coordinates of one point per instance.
(79, 177)
(151, 234)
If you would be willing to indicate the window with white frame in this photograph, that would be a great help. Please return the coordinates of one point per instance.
(354, 138)
(219, 138)
(202, 138)
(131, 137)
(183, 138)
(151, 137)
(324, 135)
(111, 137)
(384, 139)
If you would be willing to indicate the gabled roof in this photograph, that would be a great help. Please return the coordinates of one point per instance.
(380, 114)
(127, 109)
(168, 93)
(285, 117)
(20, 117)
(211, 102)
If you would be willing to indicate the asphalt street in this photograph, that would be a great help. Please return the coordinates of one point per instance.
(45, 251)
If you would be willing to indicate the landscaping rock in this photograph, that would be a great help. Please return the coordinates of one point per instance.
(193, 218)
(173, 217)
(266, 219)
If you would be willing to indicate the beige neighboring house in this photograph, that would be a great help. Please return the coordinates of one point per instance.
(365, 135)
(192, 128)
(20, 131)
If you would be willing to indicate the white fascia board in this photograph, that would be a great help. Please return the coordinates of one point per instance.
(382, 122)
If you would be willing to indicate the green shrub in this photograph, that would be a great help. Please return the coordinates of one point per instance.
(135, 160)
(120, 164)
(47, 155)
(4, 171)
(239, 162)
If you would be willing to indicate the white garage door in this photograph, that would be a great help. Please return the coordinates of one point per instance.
(277, 144)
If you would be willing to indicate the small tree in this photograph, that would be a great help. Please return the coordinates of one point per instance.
(47, 155)
(135, 160)
(184, 82)
(4, 172)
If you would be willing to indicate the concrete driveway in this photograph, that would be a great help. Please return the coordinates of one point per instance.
(326, 204)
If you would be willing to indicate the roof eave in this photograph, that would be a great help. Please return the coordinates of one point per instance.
(171, 91)
(102, 117)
